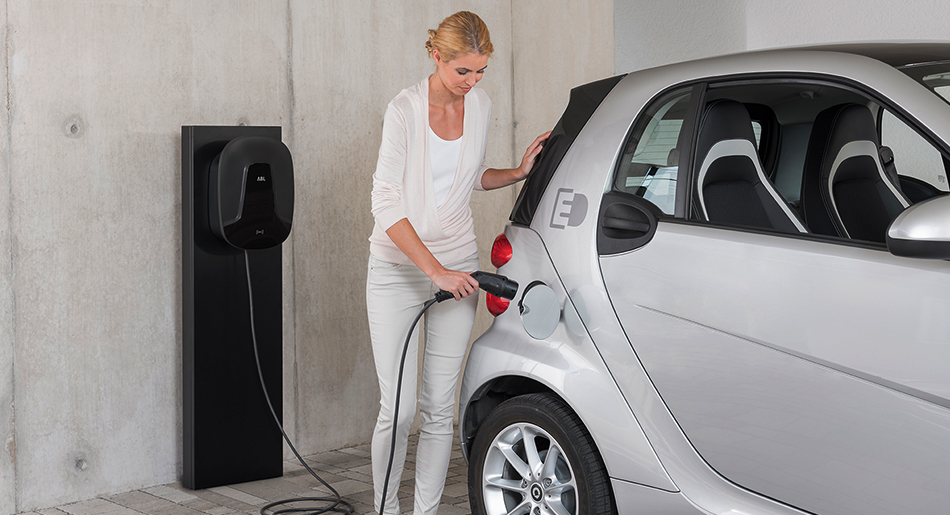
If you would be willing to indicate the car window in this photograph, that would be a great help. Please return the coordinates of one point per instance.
(933, 76)
(917, 164)
(649, 166)
(845, 167)
(788, 176)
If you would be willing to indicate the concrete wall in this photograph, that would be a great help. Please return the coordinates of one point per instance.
(95, 92)
(98, 93)
(559, 44)
(8, 449)
(772, 23)
(651, 33)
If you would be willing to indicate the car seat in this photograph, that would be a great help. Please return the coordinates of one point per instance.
(731, 186)
(845, 189)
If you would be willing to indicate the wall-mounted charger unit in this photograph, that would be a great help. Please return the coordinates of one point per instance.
(237, 194)
(252, 193)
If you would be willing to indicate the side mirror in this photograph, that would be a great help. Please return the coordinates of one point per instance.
(922, 230)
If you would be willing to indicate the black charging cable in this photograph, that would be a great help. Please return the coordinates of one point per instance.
(333, 504)
(495, 284)
(440, 296)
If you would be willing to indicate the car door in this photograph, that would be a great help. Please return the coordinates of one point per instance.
(810, 369)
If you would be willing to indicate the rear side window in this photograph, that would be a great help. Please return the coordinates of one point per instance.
(649, 166)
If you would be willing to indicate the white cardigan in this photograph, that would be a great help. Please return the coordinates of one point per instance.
(402, 184)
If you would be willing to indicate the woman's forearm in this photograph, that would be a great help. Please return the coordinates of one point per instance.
(404, 235)
(495, 178)
(457, 282)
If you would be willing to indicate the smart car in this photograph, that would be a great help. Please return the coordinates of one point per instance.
(734, 295)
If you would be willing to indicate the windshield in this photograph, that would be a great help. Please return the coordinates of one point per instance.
(934, 76)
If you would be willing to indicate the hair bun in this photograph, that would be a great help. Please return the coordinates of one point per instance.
(429, 46)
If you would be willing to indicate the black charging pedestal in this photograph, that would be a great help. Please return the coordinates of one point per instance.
(228, 431)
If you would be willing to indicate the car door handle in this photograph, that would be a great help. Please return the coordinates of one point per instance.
(626, 222)
(623, 224)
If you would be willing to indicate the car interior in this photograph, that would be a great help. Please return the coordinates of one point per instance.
(731, 186)
(787, 156)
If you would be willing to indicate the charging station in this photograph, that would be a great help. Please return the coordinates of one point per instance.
(237, 198)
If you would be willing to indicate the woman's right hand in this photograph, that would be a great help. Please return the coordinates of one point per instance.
(459, 284)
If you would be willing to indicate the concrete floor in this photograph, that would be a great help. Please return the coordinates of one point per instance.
(347, 470)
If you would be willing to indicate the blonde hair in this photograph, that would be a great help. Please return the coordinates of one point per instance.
(462, 33)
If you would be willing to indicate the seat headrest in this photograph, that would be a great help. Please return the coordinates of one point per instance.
(723, 120)
(848, 130)
(673, 158)
(849, 122)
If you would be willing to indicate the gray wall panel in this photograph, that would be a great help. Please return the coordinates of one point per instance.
(102, 90)
(649, 33)
(7, 433)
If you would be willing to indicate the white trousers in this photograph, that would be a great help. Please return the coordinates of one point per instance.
(395, 294)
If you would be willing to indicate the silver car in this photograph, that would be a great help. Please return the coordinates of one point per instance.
(735, 295)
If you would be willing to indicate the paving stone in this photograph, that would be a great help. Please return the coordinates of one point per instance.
(364, 497)
(452, 510)
(266, 493)
(176, 509)
(199, 504)
(356, 476)
(95, 507)
(348, 487)
(307, 480)
(220, 510)
(139, 501)
(348, 470)
(170, 494)
(361, 451)
(287, 488)
(238, 495)
(456, 490)
(366, 468)
(223, 500)
(330, 458)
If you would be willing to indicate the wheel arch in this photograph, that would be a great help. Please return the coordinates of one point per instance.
(489, 396)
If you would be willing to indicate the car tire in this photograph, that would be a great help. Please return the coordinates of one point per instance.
(565, 476)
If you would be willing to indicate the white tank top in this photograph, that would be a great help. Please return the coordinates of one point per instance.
(444, 159)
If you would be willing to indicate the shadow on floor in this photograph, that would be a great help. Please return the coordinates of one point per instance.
(347, 470)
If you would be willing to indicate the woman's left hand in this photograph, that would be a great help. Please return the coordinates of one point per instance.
(527, 162)
(494, 178)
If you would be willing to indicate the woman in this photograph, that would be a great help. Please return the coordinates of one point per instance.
(430, 160)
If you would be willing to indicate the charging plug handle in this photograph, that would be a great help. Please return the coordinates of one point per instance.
(496, 284)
